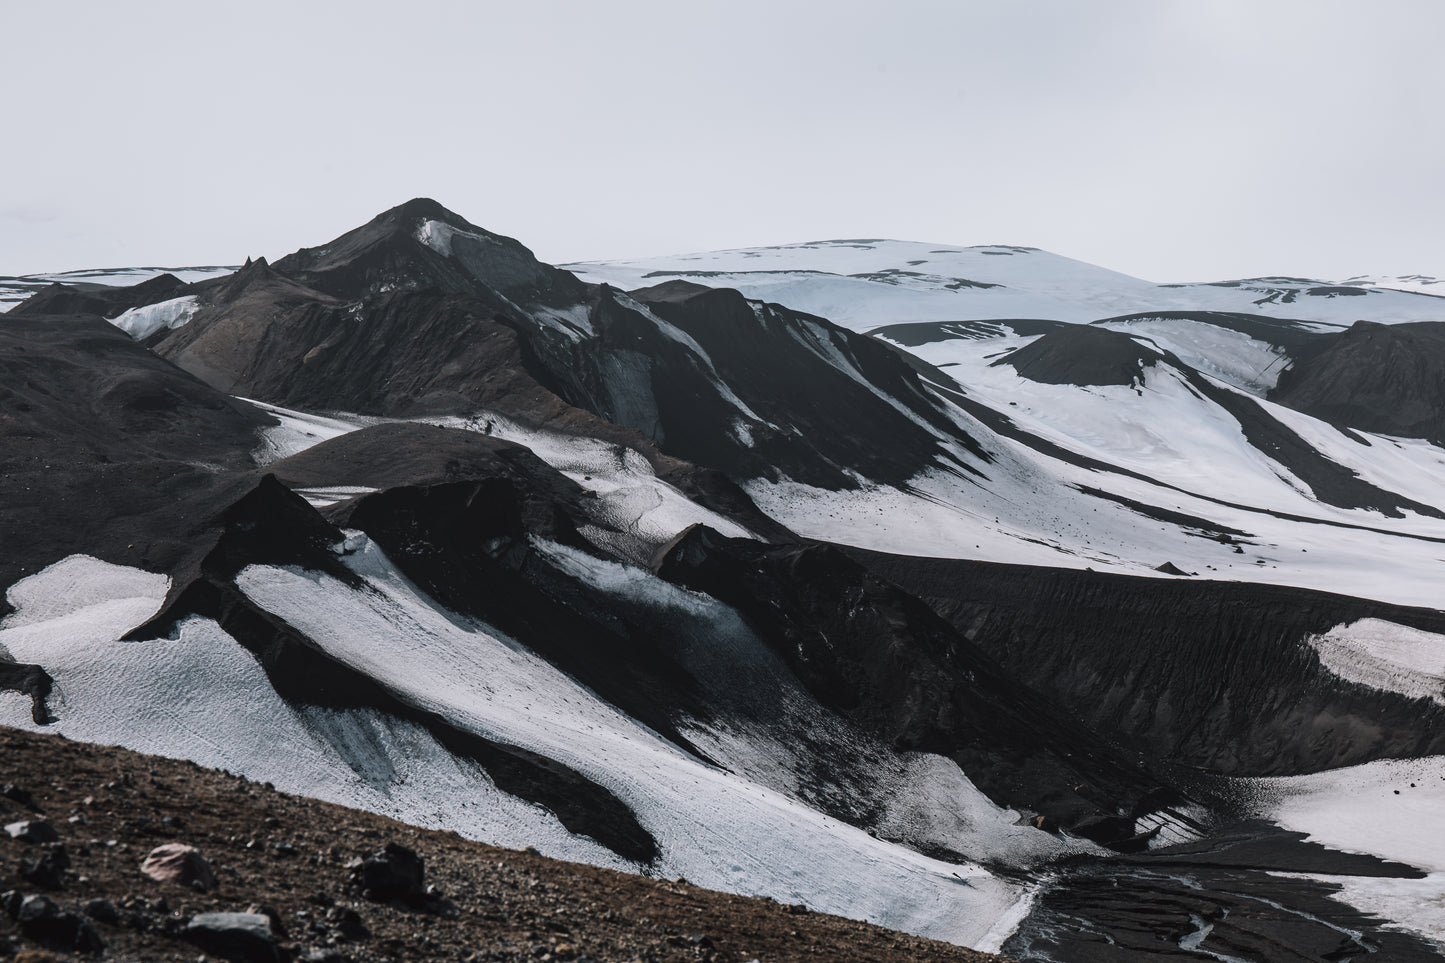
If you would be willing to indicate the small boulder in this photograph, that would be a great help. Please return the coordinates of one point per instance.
(180, 864)
(239, 937)
(18, 793)
(393, 872)
(33, 831)
(101, 910)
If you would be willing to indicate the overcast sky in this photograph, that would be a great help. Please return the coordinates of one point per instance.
(1190, 140)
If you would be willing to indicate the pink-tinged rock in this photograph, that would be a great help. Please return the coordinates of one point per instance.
(181, 864)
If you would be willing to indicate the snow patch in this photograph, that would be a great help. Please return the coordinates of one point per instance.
(141, 323)
(1387, 656)
(1390, 808)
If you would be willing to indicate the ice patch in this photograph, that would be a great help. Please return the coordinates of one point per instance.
(141, 323)
(1387, 656)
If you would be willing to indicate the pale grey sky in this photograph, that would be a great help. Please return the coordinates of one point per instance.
(1170, 139)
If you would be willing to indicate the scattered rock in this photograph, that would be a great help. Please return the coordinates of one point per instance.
(393, 872)
(181, 864)
(239, 937)
(33, 831)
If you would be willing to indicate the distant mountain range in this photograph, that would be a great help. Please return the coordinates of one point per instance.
(977, 592)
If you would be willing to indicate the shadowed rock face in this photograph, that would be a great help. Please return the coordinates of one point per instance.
(1215, 675)
(106, 449)
(1082, 355)
(1384, 378)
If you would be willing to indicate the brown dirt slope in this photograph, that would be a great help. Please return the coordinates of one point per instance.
(288, 856)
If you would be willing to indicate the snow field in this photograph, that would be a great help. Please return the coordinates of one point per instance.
(862, 285)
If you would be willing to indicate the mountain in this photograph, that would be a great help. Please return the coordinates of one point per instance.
(1045, 607)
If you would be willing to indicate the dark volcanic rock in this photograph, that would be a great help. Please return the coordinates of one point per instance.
(1377, 377)
(828, 388)
(393, 872)
(879, 656)
(42, 920)
(30, 680)
(1080, 354)
(1215, 675)
(240, 937)
(107, 450)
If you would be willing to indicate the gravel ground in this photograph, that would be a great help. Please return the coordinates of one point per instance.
(297, 862)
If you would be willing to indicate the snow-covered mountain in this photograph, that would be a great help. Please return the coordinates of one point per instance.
(1050, 614)
(864, 283)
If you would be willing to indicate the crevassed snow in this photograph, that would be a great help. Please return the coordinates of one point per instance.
(1384, 655)
(1231, 356)
(699, 815)
(140, 323)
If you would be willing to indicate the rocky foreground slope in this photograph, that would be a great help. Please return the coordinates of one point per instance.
(291, 859)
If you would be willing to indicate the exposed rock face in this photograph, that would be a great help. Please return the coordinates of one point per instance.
(1214, 675)
(1383, 378)
(106, 449)
(877, 655)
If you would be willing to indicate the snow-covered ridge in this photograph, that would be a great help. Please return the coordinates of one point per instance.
(864, 284)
